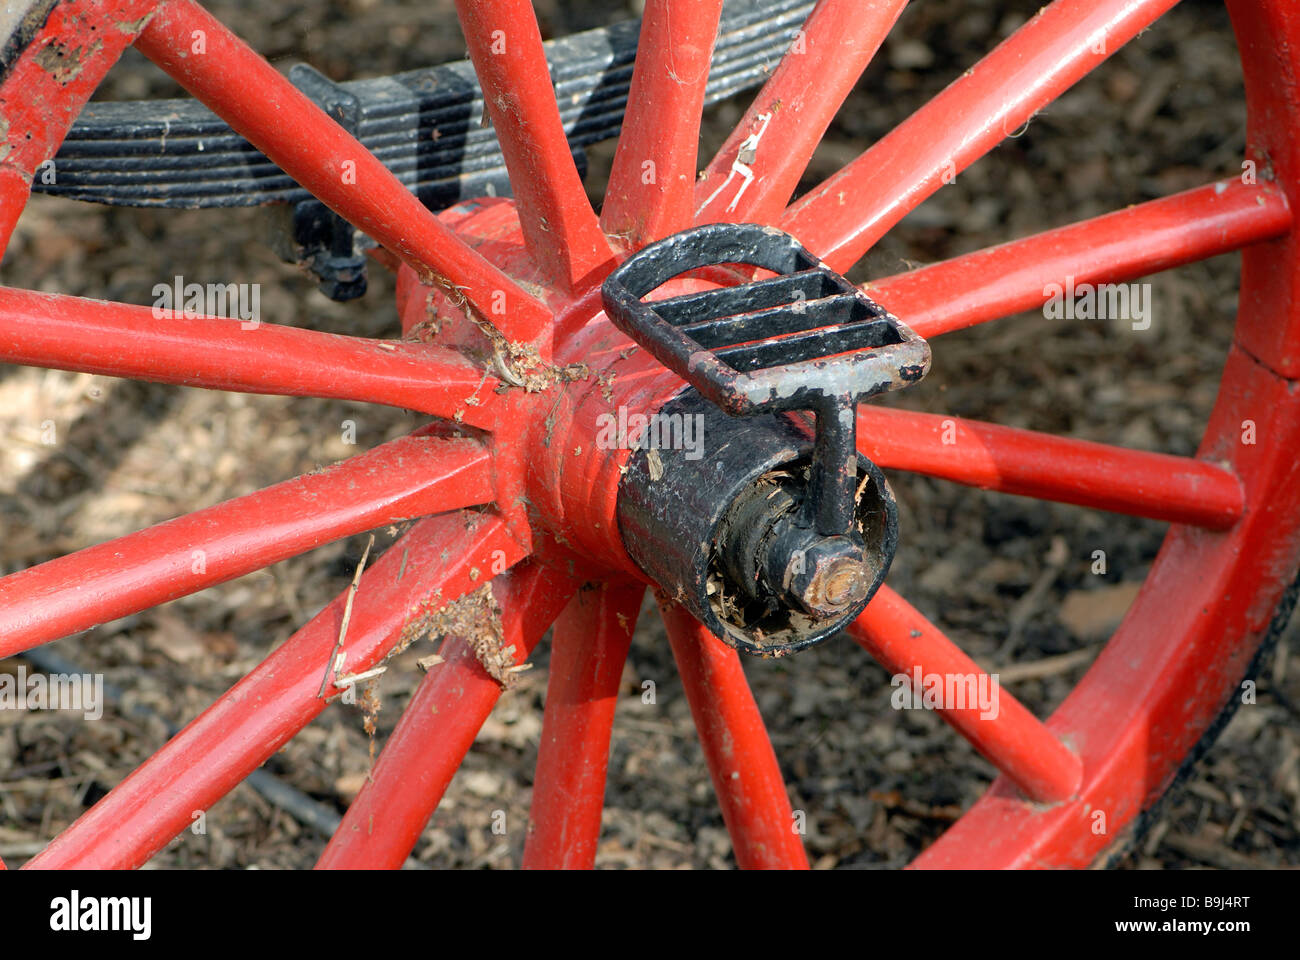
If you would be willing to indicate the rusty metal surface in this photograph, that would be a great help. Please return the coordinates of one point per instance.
(684, 521)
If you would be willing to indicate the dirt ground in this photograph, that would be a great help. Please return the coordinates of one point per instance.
(1166, 113)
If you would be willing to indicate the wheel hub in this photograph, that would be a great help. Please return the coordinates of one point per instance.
(773, 542)
(771, 528)
(732, 536)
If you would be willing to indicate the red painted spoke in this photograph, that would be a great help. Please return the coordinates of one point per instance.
(844, 216)
(588, 650)
(1032, 464)
(39, 102)
(262, 712)
(15, 187)
(558, 223)
(741, 761)
(1006, 733)
(265, 108)
(124, 340)
(1178, 657)
(651, 186)
(409, 477)
(438, 727)
(1135, 242)
(792, 111)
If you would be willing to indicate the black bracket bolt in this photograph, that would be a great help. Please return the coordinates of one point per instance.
(829, 577)
(324, 242)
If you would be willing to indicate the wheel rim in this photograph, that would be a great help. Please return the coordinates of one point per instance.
(514, 284)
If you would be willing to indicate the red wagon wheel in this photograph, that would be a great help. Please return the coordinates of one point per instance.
(511, 352)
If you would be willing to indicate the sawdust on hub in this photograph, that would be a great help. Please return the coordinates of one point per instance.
(476, 619)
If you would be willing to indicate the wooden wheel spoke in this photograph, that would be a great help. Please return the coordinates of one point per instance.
(243, 355)
(49, 100)
(228, 741)
(440, 723)
(842, 218)
(746, 777)
(999, 727)
(412, 476)
(652, 182)
(271, 113)
(1024, 462)
(787, 119)
(1135, 242)
(588, 650)
(558, 223)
